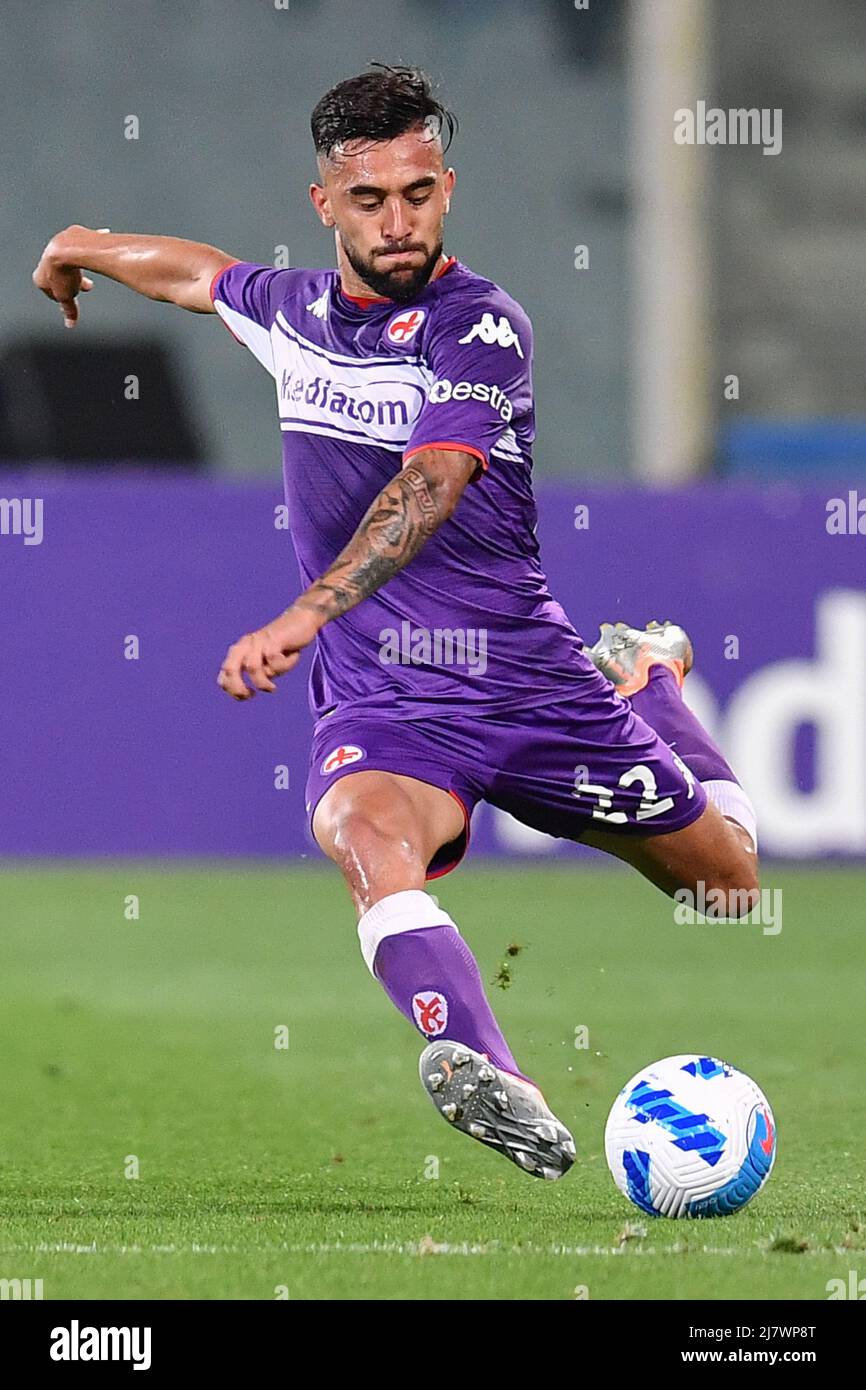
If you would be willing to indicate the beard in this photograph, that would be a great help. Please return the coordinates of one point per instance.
(401, 284)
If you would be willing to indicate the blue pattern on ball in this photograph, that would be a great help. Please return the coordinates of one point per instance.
(744, 1184)
(705, 1067)
(690, 1131)
(636, 1165)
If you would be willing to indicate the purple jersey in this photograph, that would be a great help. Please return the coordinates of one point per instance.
(361, 386)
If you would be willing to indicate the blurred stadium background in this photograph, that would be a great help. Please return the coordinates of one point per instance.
(699, 329)
(699, 344)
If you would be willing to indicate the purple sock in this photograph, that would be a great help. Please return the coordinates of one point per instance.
(661, 705)
(432, 977)
(413, 948)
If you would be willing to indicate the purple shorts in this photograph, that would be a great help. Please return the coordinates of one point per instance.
(562, 768)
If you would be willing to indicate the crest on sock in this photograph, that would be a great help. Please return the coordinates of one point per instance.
(430, 1010)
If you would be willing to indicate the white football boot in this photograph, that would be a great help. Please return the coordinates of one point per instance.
(499, 1109)
(626, 654)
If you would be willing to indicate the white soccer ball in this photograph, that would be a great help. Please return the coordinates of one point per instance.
(690, 1136)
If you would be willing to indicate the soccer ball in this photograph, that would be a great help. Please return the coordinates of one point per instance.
(690, 1136)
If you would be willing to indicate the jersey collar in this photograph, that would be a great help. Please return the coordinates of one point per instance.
(369, 301)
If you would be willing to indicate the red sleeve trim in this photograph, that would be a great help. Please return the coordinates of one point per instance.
(221, 271)
(450, 444)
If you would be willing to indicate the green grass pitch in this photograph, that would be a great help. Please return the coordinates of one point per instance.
(321, 1170)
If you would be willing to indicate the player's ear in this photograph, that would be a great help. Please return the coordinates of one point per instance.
(319, 199)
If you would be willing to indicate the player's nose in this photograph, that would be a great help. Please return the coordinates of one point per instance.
(395, 223)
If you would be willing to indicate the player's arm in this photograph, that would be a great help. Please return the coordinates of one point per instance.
(160, 267)
(408, 511)
(401, 519)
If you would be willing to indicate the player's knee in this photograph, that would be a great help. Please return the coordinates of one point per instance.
(742, 901)
(364, 836)
(374, 856)
(736, 888)
(368, 834)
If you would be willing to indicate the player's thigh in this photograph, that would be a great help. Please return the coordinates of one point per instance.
(593, 766)
(709, 851)
(373, 816)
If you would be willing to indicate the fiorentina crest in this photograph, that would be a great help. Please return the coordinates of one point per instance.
(339, 757)
(431, 1012)
(403, 327)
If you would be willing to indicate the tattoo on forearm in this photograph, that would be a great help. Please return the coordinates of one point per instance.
(392, 532)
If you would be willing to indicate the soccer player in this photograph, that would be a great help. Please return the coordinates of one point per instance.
(405, 402)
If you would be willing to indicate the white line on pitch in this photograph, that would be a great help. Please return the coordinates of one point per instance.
(423, 1248)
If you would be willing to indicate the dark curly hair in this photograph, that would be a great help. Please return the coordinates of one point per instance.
(378, 106)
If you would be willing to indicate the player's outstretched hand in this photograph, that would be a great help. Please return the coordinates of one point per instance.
(62, 283)
(270, 652)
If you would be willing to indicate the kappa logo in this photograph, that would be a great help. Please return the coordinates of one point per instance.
(431, 1012)
(341, 756)
(490, 332)
(403, 327)
(319, 306)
